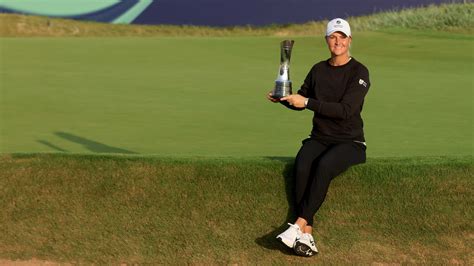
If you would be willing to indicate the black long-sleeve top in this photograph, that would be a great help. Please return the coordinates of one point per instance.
(336, 96)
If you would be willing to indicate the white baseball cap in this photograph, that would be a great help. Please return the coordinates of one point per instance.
(338, 24)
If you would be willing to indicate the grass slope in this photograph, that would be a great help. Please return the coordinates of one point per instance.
(205, 96)
(135, 209)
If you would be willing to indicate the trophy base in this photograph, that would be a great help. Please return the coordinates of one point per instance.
(282, 89)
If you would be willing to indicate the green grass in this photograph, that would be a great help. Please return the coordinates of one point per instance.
(191, 96)
(444, 17)
(139, 209)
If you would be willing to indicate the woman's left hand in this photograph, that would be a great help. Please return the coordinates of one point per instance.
(295, 100)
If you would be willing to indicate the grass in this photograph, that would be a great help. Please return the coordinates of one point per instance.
(444, 17)
(142, 209)
(448, 17)
(191, 96)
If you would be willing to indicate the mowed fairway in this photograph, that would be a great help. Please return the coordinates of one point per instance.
(206, 96)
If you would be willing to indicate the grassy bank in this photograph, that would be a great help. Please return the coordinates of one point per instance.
(445, 17)
(135, 209)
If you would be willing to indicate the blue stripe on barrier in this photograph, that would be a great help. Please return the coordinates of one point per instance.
(265, 12)
(107, 14)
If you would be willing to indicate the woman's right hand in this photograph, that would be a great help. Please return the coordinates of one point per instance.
(269, 97)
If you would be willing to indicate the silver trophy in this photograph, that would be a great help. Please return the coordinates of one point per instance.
(283, 82)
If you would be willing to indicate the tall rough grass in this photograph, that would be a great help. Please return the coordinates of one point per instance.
(445, 17)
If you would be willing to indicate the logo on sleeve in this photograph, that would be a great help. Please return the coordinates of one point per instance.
(363, 83)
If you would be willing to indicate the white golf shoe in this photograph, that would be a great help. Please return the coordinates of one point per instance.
(305, 246)
(290, 236)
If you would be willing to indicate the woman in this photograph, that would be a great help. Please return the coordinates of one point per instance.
(334, 90)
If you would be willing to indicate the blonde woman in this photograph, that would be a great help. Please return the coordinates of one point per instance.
(334, 91)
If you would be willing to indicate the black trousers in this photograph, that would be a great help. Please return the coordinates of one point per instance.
(317, 163)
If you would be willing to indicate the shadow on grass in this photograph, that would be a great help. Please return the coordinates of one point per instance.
(52, 146)
(269, 240)
(90, 145)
